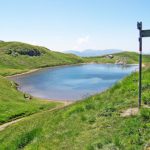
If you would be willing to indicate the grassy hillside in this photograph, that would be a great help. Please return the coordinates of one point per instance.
(16, 57)
(13, 104)
(92, 124)
(124, 57)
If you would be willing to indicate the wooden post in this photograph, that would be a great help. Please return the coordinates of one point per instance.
(139, 26)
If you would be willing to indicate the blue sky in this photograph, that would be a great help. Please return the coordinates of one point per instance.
(75, 24)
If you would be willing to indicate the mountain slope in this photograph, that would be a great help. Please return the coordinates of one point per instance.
(123, 57)
(16, 57)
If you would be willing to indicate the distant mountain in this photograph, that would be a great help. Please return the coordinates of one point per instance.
(92, 52)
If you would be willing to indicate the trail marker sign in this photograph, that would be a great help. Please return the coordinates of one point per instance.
(145, 33)
(142, 33)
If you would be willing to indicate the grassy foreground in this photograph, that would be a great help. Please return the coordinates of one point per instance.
(92, 124)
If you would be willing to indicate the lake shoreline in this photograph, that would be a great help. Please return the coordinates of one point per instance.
(38, 69)
(64, 98)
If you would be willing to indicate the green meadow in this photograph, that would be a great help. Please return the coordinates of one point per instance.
(91, 124)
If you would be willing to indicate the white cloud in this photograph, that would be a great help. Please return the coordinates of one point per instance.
(81, 42)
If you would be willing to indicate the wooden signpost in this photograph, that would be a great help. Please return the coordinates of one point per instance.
(142, 33)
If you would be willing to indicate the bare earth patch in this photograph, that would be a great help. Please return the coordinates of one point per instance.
(130, 112)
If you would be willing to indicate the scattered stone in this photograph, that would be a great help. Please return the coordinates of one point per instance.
(119, 62)
(110, 56)
(14, 85)
(27, 96)
(14, 54)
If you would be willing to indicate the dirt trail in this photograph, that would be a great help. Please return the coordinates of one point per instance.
(130, 112)
(3, 126)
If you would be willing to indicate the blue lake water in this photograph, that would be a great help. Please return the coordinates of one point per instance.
(72, 82)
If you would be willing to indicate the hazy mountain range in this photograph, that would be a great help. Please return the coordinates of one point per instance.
(92, 52)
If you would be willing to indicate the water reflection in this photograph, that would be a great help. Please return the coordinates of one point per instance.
(72, 82)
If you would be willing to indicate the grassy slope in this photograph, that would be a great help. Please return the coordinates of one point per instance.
(128, 57)
(10, 64)
(92, 124)
(12, 102)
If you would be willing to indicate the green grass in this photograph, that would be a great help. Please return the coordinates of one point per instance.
(13, 104)
(126, 57)
(92, 124)
(19, 59)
